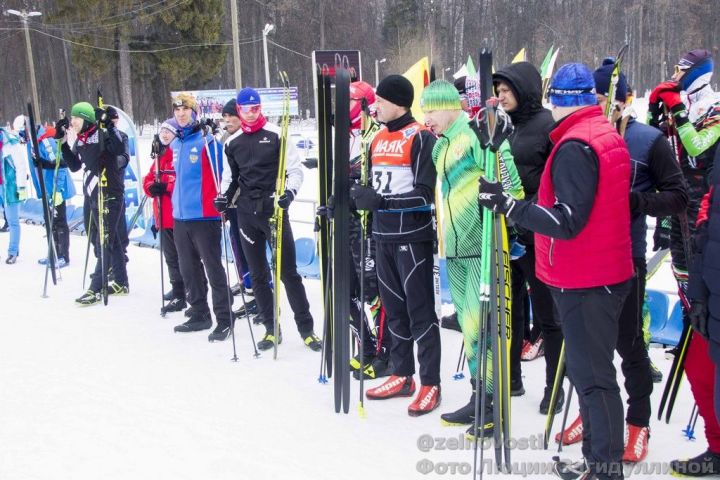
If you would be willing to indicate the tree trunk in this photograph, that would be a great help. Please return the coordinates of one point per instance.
(125, 84)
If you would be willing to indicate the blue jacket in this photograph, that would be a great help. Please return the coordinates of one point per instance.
(197, 174)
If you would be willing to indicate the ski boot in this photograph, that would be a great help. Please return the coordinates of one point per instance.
(705, 464)
(427, 400)
(88, 298)
(545, 402)
(636, 444)
(571, 435)
(395, 386)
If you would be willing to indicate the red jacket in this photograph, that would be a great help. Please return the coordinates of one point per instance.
(601, 253)
(167, 175)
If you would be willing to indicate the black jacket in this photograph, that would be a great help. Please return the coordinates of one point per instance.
(529, 142)
(253, 159)
(96, 150)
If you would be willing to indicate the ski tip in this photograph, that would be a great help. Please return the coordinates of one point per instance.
(361, 411)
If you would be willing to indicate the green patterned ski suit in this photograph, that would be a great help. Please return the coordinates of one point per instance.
(458, 159)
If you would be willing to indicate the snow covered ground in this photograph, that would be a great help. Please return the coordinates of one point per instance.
(111, 392)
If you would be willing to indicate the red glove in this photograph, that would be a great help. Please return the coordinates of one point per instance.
(666, 91)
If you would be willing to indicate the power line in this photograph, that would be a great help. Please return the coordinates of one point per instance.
(157, 50)
(288, 49)
(97, 25)
(70, 24)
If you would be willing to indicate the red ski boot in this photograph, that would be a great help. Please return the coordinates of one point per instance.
(636, 444)
(393, 387)
(427, 400)
(572, 434)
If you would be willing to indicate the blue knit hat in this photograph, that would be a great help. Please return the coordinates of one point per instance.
(248, 96)
(602, 80)
(695, 63)
(572, 86)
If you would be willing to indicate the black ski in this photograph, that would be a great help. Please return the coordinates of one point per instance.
(322, 223)
(47, 213)
(340, 241)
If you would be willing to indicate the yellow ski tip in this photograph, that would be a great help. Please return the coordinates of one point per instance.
(361, 411)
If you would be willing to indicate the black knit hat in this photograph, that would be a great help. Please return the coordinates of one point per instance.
(396, 89)
(230, 108)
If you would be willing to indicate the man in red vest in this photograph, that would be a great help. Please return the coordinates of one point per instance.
(581, 222)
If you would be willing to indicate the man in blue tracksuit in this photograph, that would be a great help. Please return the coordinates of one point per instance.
(197, 159)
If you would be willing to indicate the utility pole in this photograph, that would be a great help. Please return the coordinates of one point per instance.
(268, 28)
(236, 43)
(24, 15)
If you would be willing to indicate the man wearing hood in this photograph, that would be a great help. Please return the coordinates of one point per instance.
(519, 90)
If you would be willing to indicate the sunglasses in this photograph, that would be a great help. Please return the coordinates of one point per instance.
(679, 69)
(248, 108)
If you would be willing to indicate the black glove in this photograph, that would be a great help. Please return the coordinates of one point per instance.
(366, 198)
(328, 210)
(661, 237)
(221, 203)
(102, 116)
(286, 199)
(653, 115)
(211, 125)
(699, 317)
(492, 196)
(61, 127)
(156, 146)
(503, 126)
(157, 188)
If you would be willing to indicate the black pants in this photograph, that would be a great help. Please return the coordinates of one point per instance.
(633, 351)
(523, 272)
(589, 319)
(405, 281)
(173, 264)
(241, 264)
(198, 244)
(114, 254)
(61, 232)
(380, 345)
(254, 235)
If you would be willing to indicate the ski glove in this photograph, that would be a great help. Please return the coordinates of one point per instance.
(61, 127)
(502, 126)
(667, 93)
(366, 198)
(699, 317)
(661, 237)
(327, 210)
(286, 199)
(493, 197)
(157, 188)
(221, 203)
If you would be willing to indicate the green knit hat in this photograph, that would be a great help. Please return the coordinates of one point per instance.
(83, 110)
(440, 95)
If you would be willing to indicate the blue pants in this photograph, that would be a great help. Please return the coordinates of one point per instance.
(12, 213)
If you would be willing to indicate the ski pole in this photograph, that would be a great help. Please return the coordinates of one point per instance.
(565, 414)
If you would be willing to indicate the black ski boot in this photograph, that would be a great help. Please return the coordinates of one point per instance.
(174, 305)
(451, 322)
(378, 368)
(572, 470)
(198, 322)
(486, 430)
(169, 296)
(545, 402)
(707, 463)
(312, 341)
(516, 388)
(268, 340)
(220, 334)
(88, 298)
(355, 361)
(258, 319)
(251, 308)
